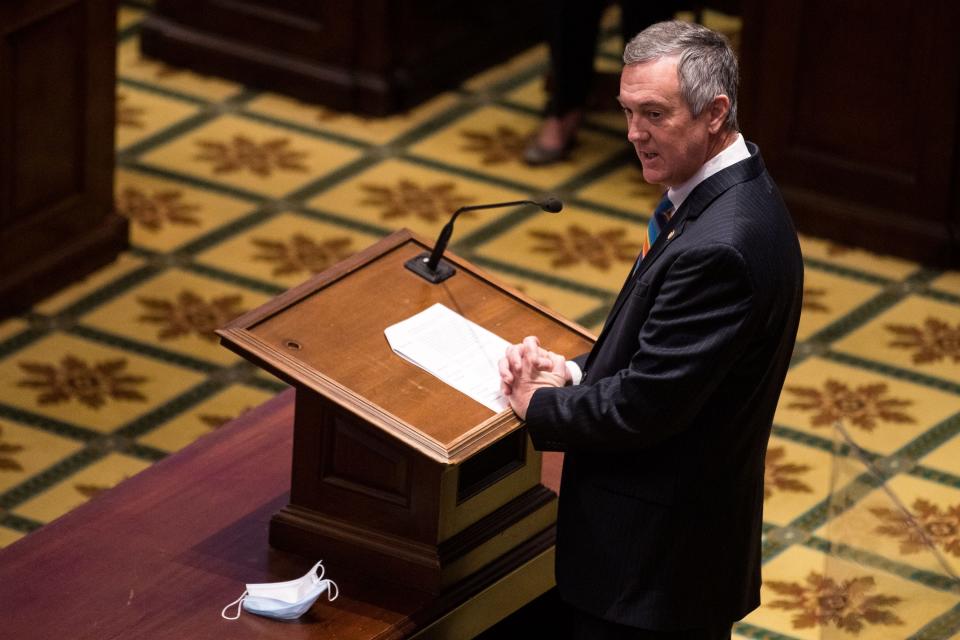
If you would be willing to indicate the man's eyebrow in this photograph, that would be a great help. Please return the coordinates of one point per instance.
(656, 104)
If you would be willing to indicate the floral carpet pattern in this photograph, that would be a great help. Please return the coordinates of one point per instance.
(234, 195)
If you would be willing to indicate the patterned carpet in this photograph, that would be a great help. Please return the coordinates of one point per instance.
(234, 195)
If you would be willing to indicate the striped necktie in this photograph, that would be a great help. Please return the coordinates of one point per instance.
(658, 221)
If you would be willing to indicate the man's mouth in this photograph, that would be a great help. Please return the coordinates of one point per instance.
(648, 155)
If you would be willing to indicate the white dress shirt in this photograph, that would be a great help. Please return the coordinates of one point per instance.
(731, 155)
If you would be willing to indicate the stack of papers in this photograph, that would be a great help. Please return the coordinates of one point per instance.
(457, 351)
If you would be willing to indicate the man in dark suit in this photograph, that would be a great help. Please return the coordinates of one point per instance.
(661, 499)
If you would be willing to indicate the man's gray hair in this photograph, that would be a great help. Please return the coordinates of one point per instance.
(707, 65)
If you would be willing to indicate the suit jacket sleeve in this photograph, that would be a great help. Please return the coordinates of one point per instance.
(699, 321)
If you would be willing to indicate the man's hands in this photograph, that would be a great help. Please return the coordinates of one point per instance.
(527, 367)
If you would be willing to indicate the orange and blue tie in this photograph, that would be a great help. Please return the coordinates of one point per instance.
(658, 221)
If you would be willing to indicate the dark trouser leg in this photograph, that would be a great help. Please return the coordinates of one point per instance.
(588, 627)
(637, 15)
(573, 44)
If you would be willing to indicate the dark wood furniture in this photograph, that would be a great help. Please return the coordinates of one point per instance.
(57, 84)
(395, 472)
(372, 57)
(855, 108)
(161, 554)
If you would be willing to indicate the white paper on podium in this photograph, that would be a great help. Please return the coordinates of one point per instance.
(457, 351)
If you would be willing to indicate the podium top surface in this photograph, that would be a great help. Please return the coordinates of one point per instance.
(326, 335)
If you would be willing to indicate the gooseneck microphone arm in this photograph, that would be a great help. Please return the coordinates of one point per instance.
(444, 238)
(432, 269)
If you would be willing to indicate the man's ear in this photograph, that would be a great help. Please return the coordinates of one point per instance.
(717, 112)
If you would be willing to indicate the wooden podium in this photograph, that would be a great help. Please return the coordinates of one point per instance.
(395, 474)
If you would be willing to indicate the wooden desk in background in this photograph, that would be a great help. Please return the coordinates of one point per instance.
(57, 96)
(160, 555)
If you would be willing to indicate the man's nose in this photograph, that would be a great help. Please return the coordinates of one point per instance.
(637, 133)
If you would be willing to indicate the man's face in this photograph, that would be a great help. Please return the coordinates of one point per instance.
(671, 144)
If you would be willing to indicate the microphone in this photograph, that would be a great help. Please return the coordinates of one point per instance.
(428, 265)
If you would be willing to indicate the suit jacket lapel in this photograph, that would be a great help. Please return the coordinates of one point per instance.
(667, 234)
(695, 204)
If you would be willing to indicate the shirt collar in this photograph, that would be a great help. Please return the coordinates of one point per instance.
(731, 155)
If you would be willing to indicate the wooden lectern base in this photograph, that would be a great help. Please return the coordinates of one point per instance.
(394, 471)
(160, 555)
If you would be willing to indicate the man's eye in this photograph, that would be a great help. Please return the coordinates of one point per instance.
(654, 115)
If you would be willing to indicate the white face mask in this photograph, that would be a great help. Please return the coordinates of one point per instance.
(285, 600)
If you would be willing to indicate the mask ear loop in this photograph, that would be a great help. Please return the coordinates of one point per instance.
(313, 572)
(239, 604)
(332, 587)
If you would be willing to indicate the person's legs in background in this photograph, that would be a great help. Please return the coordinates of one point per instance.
(573, 42)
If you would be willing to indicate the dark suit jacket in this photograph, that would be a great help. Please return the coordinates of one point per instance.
(662, 489)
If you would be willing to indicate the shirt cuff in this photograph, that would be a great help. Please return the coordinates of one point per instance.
(576, 375)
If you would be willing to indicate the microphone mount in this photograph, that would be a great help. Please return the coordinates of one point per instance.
(430, 267)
